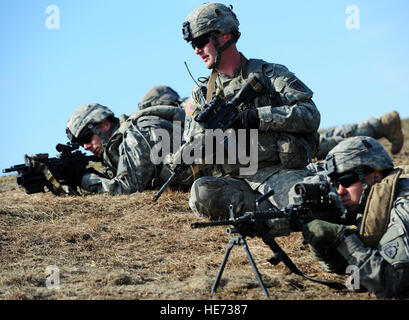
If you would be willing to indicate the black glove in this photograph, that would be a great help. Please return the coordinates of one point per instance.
(323, 238)
(331, 261)
(247, 119)
(323, 235)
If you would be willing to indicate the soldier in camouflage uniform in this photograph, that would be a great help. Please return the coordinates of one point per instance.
(284, 114)
(388, 126)
(124, 148)
(377, 195)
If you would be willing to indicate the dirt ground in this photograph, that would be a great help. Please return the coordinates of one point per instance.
(126, 247)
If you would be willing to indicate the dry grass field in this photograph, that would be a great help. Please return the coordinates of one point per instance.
(126, 247)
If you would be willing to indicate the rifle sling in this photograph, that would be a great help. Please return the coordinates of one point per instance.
(210, 86)
(53, 184)
(282, 256)
(213, 76)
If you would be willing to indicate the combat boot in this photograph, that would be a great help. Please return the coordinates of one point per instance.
(392, 130)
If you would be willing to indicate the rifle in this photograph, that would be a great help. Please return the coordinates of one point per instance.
(218, 114)
(273, 222)
(40, 173)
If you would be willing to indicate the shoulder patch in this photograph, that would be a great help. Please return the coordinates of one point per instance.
(190, 108)
(274, 70)
(268, 70)
(391, 249)
(298, 85)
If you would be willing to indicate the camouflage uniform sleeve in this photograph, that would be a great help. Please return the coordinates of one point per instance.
(197, 96)
(194, 102)
(293, 109)
(384, 271)
(134, 171)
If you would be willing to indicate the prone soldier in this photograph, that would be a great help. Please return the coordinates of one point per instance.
(387, 126)
(124, 148)
(376, 197)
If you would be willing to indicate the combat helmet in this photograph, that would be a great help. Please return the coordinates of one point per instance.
(83, 119)
(351, 160)
(160, 95)
(209, 18)
(357, 154)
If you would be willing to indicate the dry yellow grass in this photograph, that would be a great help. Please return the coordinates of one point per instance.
(126, 247)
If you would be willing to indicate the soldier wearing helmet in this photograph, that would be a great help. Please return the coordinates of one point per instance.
(284, 114)
(124, 148)
(377, 195)
(160, 95)
(91, 125)
(208, 22)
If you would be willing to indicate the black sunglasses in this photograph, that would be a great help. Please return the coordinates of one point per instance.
(201, 41)
(85, 136)
(346, 180)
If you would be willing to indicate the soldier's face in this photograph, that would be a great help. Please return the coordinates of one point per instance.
(207, 53)
(351, 191)
(350, 196)
(95, 145)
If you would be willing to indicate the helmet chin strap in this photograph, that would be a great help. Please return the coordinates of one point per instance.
(365, 188)
(364, 196)
(219, 49)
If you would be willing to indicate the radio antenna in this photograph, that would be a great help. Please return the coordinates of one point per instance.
(187, 68)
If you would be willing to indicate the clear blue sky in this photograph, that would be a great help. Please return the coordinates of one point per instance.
(112, 52)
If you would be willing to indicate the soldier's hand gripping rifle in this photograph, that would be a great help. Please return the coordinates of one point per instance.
(274, 222)
(217, 114)
(60, 175)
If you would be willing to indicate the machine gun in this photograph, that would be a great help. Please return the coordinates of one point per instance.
(274, 222)
(218, 114)
(40, 173)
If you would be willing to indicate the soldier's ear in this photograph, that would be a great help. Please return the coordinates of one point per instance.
(104, 125)
(377, 177)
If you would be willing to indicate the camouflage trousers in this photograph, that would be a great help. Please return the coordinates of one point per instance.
(211, 197)
(330, 138)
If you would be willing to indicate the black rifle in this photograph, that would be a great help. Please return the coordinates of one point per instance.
(40, 173)
(270, 223)
(218, 114)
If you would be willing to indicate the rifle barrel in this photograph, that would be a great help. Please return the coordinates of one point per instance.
(163, 188)
(195, 225)
(15, 168)
(178, 170)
